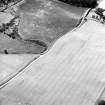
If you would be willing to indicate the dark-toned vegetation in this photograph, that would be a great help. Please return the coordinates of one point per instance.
(4, 4)
(11, 28)
(82, 3)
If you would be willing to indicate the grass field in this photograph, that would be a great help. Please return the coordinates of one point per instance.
(45, 21)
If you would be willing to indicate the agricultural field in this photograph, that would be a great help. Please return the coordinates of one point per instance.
(32, 26)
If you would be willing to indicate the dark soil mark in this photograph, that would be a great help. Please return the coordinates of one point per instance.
(38, 42)
(5, 51)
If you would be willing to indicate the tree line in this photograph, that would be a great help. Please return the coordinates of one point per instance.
(82, 3)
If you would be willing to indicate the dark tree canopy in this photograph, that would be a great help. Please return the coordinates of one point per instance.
(6, 2)
(82, 3)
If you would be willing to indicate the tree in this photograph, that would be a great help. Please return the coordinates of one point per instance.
(82, 3)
